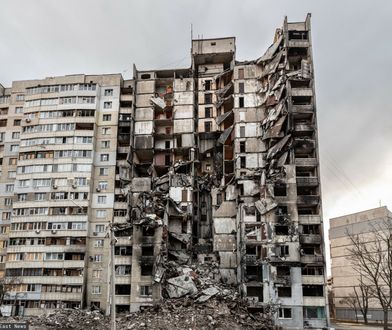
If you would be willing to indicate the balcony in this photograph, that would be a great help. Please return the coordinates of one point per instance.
(314, 301)
(306, 162)
(61, 296)
(302, 92)
(313, 279)
(250, 259)
(311, 181)
(312, 259)
(147, 260)
(126, 97)
(58, 280)
(298, 43)
(303, 129)
(310, 239)
(309, 219)
(308, 200)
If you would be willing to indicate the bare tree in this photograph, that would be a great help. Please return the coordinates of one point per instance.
(351, 301)
(362, 295)
(371, 256)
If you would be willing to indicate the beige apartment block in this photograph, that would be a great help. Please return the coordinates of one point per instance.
(344, 277)
(215, 163)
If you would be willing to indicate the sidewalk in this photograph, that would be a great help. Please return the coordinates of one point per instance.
(353, 326)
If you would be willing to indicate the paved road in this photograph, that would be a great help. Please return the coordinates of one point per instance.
(355, 326)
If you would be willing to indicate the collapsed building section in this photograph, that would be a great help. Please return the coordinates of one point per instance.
(225, 171)
(213, 166)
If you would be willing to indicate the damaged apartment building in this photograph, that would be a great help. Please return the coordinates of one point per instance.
(212, 164)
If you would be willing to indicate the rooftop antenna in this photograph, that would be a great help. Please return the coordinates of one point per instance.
(191, 31)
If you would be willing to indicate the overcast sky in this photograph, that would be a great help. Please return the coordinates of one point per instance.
(352, 50)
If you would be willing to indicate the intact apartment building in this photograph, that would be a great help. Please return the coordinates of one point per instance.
(344, 277)
(217, 162)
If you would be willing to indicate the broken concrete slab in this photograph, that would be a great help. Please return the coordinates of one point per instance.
(180, 286)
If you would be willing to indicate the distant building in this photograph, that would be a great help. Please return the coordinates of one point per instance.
(214, 162)
(344, 277)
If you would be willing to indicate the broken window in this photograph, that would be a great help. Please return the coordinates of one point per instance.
(312, 270)
(282, 250)
(254, 273)
(147, 250)
(313, 290)
(207, 126)
(241, 87)
(285, 313)
(242, 146)
(146, 270)
(310, 249)
(284, 291)
(251, 250)
(219, 199)
(208, 112)
(207, 85)
(207, 98)
(241, 101)
(255, 291)
(184, 195)
(167, 160)
(314, 312)
(240, 73)
(243, 162)
(168, 130)
(123, 289)
(311, 229)
(281, 230)
(145, 76)
(282, 271)
(147, 231)
(122, 270)
(123, 250)
(167, 144)
(280, 189)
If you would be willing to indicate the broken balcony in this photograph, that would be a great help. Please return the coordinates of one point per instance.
(304, 148)
(307, 195)
(310, 181)
(303, 128)
(306, 162)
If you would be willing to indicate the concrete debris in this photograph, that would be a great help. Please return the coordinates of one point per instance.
(159, 102)
(180, 286)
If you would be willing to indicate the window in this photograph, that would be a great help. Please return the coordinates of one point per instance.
(11, 174)
(97, 258)
(15, 135)
(22, 197)
(242, 131)
(107, 117)
(9, 187)
(242, 162)
(17, 122)
(241, 87)
(242, 146)
(145, 290)
(208, 112)
(103, 171)
(96, 289)
(20, 97)
(102, 199)
(97, 273)
(99, 243)
(107, 105)
(241, 101)
(240, 73)
(207, 85)
(207, 126)
(103, 185)
(18, 109)
(314, 313)
(100, 228)
(108, 92)
(105, 130)
(7, 201)
(39, 196)
(14, 148)
(101, 214)
(284, 291)
(123, 270)
(105, 144)
(285, 313)
(104, 157)
(208, 98)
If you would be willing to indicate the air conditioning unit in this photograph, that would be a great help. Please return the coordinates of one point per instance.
(54, 231)
(37, 231)
(74, 185)
(55, 186)
(98, 189)
(28, 120)
(95, 233)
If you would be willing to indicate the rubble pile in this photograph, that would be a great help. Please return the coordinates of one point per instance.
(194, 298)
